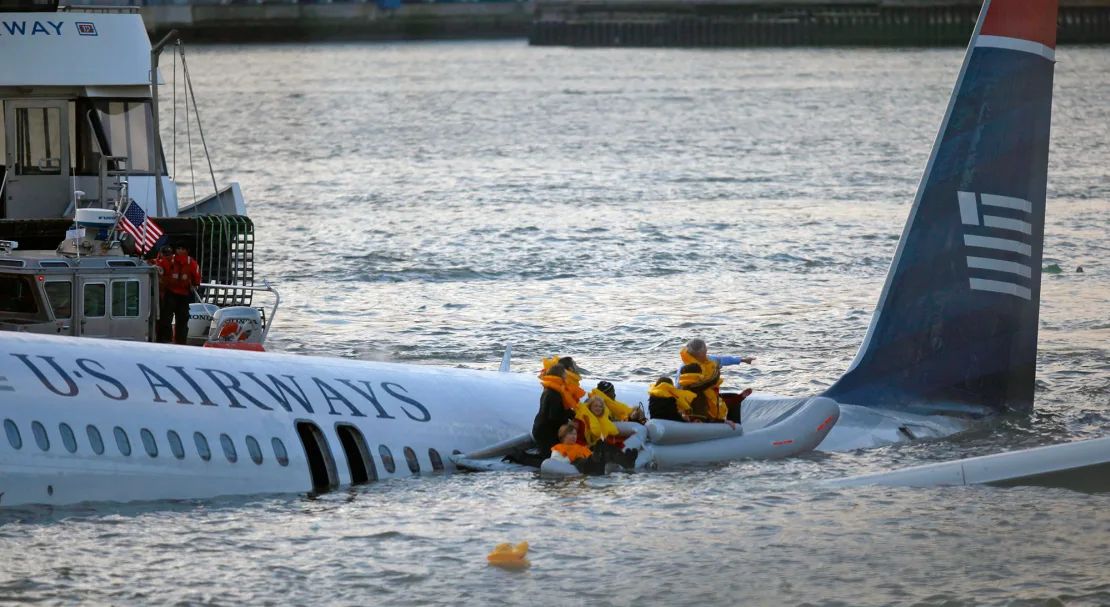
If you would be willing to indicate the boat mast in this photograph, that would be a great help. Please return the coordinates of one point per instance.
(155, 132)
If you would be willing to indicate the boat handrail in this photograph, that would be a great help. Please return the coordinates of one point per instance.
(266, 287)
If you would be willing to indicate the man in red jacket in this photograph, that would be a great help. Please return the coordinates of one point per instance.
(180, 275)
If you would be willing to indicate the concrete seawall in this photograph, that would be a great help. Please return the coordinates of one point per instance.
(634, 23)
(734, 23)
(339, 21)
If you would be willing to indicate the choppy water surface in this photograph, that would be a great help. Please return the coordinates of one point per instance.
(430, 203)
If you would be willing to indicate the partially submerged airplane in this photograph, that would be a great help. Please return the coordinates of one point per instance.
(953, 338)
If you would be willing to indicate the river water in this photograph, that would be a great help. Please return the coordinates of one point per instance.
(430, 203)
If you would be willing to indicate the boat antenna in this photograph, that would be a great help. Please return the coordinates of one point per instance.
(155, 135)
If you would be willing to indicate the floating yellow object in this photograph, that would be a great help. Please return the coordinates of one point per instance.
(509, 556)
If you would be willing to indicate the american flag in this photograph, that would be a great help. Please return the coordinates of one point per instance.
(142, 228)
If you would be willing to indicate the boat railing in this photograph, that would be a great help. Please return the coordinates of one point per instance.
(268, 319)
(114, 8)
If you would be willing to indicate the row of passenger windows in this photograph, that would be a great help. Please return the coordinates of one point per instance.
(146, 437)
(410, 459)
(200, 442)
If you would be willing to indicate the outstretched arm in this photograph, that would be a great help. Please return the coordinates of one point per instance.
(726, 361)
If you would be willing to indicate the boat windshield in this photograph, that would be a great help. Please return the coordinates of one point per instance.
(114, 127)
(17, 296)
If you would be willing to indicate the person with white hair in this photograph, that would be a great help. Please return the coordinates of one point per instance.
(701, 374)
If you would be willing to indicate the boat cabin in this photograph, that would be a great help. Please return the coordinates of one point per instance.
(107, 295)
(76, 113)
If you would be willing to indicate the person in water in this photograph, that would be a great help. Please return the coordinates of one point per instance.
(557, 407)
(568, 449)
(665, 401)
(701, 374)
(618, 411)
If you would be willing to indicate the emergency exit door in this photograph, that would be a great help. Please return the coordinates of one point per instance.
(36, 154)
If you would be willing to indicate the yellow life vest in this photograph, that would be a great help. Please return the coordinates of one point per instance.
(715, 407)
(572, 452)
(617, 410)
(573, 379)
(557, 384)
(681, 397)
(598, 428)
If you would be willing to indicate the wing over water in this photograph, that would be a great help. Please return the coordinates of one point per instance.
(956, 325)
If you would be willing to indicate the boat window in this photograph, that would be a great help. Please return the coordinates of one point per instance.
(437, 461)
(175, 444)
(254, 450)
(410, 457)
(95, 441)
(41, 439)
(125, 298)
(387, 459)
(94, 299)
(122, 441)
(60, 295)
(57, 263)
(122, 125)
(280, 454)
(148, 442)
(68, 439)
(17, 295)
(12, 430)
(38, 141)
(10, 263)
(202, 446)
(229, 448)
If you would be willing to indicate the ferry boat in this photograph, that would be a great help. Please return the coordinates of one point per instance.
(79, 129)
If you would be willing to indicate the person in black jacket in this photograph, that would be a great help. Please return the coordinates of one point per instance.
(556, 409)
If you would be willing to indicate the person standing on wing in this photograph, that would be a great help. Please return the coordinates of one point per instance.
(707, 384)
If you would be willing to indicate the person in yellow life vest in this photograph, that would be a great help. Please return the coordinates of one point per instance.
(568, 449)
(618, 411)
(595, 425)
(573, 374)
(701, 374)
(557, 407)
(665, 401)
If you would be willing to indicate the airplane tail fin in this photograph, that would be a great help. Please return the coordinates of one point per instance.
(956, 325)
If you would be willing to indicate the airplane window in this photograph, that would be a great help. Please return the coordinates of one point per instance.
(410, 457)
(229, 448)
(387, 459)
(175, 444)
(68, 439)
(13, 434)
(41, 439)
(95, 441)
(280, 454)
(148, 442)
(122, 441)
(254, 449)
(202, 446)
(437, 461)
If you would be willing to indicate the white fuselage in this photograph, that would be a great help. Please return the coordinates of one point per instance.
(132, 394)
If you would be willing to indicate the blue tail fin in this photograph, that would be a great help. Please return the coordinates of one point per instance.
(956, 325)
